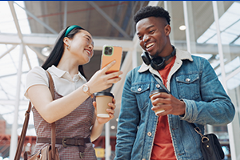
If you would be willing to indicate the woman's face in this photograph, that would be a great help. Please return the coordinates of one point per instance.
(81, 46)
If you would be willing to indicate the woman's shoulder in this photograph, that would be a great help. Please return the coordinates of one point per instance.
(36, 71)
(37, 75)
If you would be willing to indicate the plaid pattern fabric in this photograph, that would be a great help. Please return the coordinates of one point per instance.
(77, 124)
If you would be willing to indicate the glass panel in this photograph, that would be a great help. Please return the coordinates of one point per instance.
(177, 35)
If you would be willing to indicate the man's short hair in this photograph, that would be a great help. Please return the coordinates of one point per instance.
(151, 11)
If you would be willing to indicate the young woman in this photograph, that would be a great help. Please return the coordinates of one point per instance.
(73, 108)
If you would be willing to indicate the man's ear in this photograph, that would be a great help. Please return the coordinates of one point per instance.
(167, 29)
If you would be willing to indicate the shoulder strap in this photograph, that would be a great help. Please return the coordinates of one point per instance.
(25, 124)
(51, 84)
(53, 125)
(23, 133)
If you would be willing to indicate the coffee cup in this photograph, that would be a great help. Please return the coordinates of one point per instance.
(102, 100)
(153, 93)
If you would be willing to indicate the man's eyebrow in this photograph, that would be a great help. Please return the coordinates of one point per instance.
(146, 28)
(149, 27)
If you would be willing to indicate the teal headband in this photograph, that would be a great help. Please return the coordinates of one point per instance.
(71, 28)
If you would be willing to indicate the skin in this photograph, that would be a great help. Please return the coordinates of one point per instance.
(153, 34)
(79, 52)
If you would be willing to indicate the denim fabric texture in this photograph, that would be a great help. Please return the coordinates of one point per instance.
(191, 79)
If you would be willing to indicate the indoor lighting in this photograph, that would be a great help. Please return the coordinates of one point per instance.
(182, 27)
(46, 51)
(112, 127)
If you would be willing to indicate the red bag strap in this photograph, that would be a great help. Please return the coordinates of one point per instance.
(25, 124)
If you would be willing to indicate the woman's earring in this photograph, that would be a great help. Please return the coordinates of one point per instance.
(68, 46)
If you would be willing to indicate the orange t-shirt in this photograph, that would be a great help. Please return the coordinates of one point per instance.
(162, 145)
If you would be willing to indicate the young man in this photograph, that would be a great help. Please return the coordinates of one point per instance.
(196, 96)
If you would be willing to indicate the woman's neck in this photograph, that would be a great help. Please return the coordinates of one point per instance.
(68, 64)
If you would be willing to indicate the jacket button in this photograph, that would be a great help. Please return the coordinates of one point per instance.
(149, 134)
(158, 85)
(187, 80)
(139, 89)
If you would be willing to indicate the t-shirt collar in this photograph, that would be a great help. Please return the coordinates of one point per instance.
(63, 74)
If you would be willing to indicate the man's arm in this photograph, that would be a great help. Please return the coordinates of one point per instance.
(215, 106)
(127, 123)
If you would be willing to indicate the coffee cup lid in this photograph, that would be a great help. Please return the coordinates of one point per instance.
(157, 91)
(104, 94)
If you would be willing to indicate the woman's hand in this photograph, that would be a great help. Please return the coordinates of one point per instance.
(101, 81)
(110, 112)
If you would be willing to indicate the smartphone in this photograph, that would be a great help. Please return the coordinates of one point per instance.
(109, 54)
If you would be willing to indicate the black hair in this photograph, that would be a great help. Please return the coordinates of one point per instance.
(57, 51)
(151, 11)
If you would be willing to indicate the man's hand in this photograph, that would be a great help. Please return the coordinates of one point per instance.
(169, 103)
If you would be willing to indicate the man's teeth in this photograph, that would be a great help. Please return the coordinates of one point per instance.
(149, 45)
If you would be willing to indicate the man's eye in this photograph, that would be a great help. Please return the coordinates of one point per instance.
(140, 37)
(152, 31)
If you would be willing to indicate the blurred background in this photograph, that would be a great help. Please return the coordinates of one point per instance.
(28, 30)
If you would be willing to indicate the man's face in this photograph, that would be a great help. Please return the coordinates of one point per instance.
(153, 34)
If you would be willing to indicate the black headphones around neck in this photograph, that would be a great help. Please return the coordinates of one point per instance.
(157, 63)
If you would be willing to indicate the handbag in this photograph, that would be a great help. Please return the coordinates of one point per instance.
(210, 146)
(49, 152)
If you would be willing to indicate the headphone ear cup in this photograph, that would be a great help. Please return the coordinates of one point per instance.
(145, 57)
(158, 63)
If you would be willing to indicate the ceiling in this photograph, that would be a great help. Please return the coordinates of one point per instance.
(100, 18)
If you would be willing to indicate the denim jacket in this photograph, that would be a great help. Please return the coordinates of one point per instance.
(191, 79)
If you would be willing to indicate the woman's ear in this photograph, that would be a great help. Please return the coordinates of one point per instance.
(167, 29)
(66, 41)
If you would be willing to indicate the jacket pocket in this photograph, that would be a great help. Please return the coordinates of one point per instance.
(142, 94)
(188, 86)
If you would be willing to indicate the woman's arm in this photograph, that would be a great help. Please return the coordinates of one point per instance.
(52, 111)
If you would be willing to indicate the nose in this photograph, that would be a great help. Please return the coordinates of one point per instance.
(90, 46)
(145, 38)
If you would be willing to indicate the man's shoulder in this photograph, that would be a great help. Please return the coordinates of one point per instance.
(199, 59)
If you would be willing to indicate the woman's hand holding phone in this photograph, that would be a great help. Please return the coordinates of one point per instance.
(102, 80)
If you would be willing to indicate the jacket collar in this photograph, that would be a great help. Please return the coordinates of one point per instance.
(180, 55)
